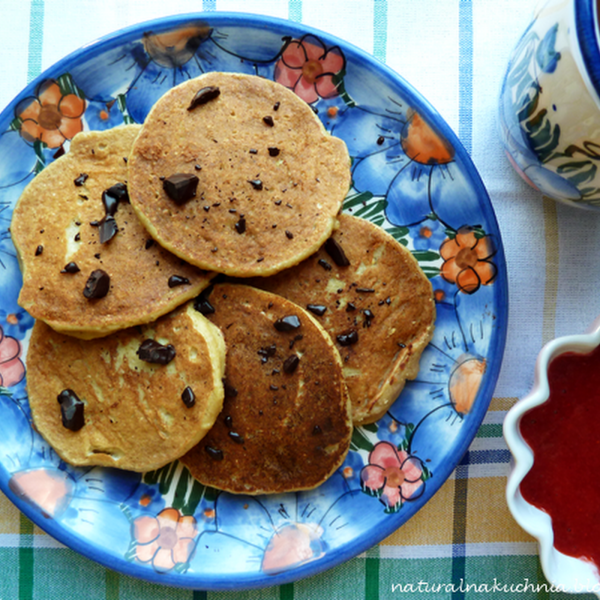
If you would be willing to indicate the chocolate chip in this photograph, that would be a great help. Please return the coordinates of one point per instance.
(316, 430)
(198, 167)
(71, 268)
(268, 351)
(273, 151)
(268, 120)
(291, 364)
(228, 421)
(350, 307)
(39, 250)
(188, 397)
(181, 187)
(289, 235)
(236, 437)
(240, 226)
(348, 338)
(365, 290)
(380, 140)
(151, 351)
(256, 184)
(401, 345)
(324, 264)
(337, 253)
(369, 316)
(77, 237)
(149, 243)
(112, 196)
(316, 309)
(97, 285)
(253, 151)
(95, 223)
(71, 410)
(276, 106)
(295, 339)
(176, 280)
(287, 323)
(273, 388)
(204, 95)
(230, 391)
(108, 229)
(202, 304)
(214, 453)
(79, 181)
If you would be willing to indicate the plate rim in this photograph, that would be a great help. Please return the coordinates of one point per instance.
(496, 349)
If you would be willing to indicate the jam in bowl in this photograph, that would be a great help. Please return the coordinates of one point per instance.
(553, 488)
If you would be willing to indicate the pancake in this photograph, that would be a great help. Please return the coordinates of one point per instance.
(134, 413)
(270, 179)
(52, 231)
(379, 309)
(285, 425)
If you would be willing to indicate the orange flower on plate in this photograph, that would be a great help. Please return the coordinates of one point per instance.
(173, 49)
(467, 260)
(465, 381)
(12, 369)
(50, 116)
(165, 540)
(423, 145)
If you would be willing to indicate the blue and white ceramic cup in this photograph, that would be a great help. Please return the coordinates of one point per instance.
(550, 103)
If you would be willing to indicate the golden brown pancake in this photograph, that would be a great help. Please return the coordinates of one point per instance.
(56, 233)
(134, 414)
(285, 423)
(379, 310)
(270, 179)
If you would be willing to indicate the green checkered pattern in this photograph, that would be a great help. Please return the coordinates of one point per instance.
(464, 544)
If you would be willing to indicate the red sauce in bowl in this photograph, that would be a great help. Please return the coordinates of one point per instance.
(564, 434)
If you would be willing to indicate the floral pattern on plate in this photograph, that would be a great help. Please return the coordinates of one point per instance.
(410, 176)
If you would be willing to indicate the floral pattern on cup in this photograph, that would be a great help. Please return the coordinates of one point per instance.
(548, 114)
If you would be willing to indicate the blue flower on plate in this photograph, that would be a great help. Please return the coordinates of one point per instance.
(274, 534)
(163, 60)
(398, 154)
(428, 235)
(101, 115)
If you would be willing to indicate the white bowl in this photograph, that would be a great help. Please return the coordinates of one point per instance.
(564, 572)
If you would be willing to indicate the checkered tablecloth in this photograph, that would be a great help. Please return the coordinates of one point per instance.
(454, 52)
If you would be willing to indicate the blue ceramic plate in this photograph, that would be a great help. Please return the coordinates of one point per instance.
(410, 176)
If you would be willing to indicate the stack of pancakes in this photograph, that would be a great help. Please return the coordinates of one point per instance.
(199, 296)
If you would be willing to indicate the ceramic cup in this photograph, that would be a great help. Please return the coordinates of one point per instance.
(550, 103)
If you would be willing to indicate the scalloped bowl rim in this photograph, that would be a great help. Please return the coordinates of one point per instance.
(569, 574)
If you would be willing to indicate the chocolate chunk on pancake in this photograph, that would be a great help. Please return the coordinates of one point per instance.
(230, 184)
(371, 296)
(137, 399)
(285, 423)
(89, 266)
